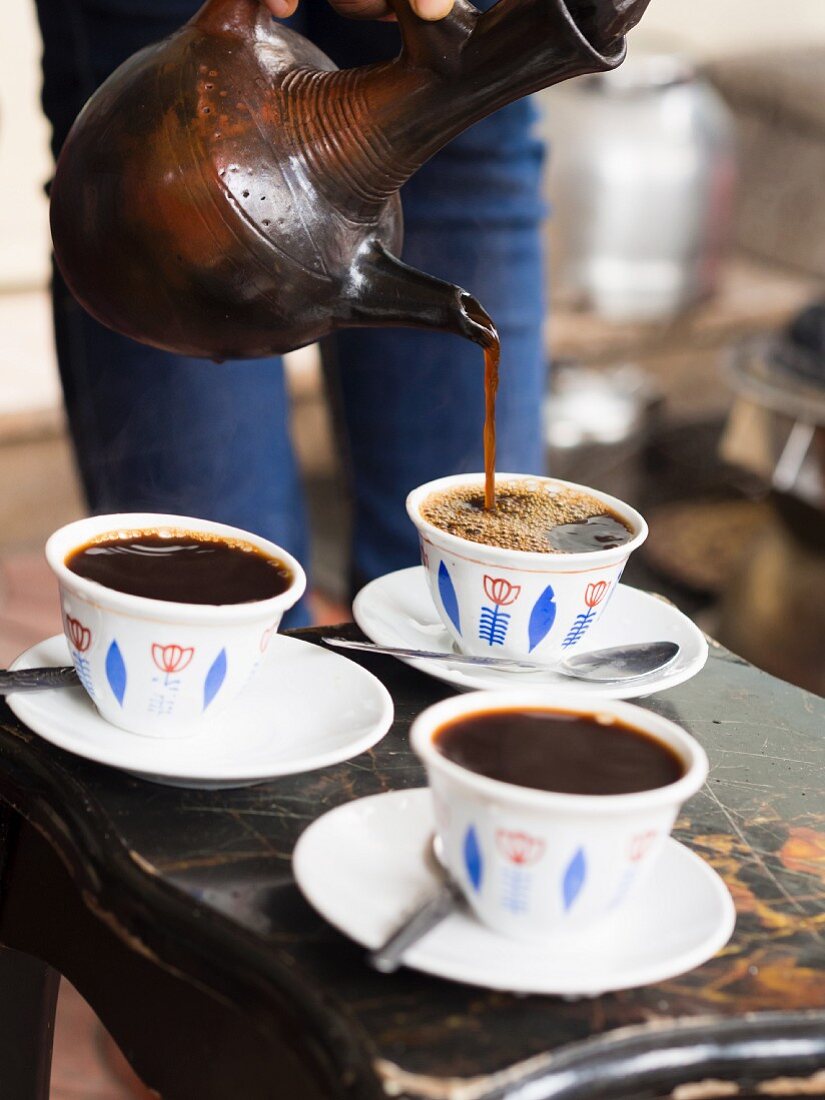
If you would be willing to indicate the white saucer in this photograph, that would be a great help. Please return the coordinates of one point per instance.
(363, 867)
(305, 708)
(397, 609)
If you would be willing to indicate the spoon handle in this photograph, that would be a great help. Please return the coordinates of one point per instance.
(615, 665)
(37, 679)
(423, 654)
(388, 957)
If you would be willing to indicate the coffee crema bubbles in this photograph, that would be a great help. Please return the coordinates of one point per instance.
(535, 518)
(181, 566)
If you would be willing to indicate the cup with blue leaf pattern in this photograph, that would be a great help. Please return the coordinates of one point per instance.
(535, 864)
(499, 602)
(157, 667)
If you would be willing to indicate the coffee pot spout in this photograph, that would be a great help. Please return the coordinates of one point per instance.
(385, 292)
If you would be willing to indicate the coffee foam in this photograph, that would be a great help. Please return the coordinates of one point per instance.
(525, 514)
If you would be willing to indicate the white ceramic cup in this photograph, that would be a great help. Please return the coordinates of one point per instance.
(155, 667)
(511, 603)
(535, 864)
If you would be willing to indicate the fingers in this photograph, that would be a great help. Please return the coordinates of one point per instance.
(281, 9)
(367, 9)
(431, 9)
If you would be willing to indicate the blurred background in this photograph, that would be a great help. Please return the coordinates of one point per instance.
(685, 346)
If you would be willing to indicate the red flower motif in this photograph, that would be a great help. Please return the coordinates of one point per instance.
(500, 591)
(640, 845)
(172, 658)
(519, 848)
(595, 593)
(79, 635)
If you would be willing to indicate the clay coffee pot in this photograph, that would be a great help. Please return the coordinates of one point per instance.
(229, 193)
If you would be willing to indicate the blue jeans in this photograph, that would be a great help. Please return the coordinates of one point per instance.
(153, 431)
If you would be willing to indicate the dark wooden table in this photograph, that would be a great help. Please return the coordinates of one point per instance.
(175, 914)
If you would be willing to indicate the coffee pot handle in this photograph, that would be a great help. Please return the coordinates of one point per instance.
(434, 44)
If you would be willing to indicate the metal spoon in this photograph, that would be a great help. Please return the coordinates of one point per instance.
(626, 662)
(37, 679)
(447, 898)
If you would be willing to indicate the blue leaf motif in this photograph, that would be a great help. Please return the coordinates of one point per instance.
(116, 672)
(542, 617)
(214, 678)
(473, 860)
(579, 628)
(449, 599)
(574, 878)
(492, 625)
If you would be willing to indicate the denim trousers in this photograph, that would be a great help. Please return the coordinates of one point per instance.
(158, 432)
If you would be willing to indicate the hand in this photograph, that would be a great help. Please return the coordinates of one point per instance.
(367, 9)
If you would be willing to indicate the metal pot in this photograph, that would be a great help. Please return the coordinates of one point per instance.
(642, 183)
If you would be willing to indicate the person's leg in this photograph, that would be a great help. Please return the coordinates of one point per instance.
(413, 402)
(157, 432)
(153, 431)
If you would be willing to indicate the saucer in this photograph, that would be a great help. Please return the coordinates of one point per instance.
(397, 609)
(305, 708)
(364, 866)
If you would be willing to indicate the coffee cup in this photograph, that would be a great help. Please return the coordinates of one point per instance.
(536, 863)
(516, 603)
(162, 667)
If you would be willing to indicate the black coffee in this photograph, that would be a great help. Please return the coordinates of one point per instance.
(552, 750)
(539, 519)
(181, 566)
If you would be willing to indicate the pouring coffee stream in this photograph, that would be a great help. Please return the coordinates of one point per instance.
(229, 193)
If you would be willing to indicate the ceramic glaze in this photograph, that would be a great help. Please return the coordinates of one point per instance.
(397, 610)
(229, 193)
(497, 602)
(157, 667)
(676, 920)
(304, 709)
(530, 862)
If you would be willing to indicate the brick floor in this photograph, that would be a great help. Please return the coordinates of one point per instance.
(29, 609)
(86, 1064)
